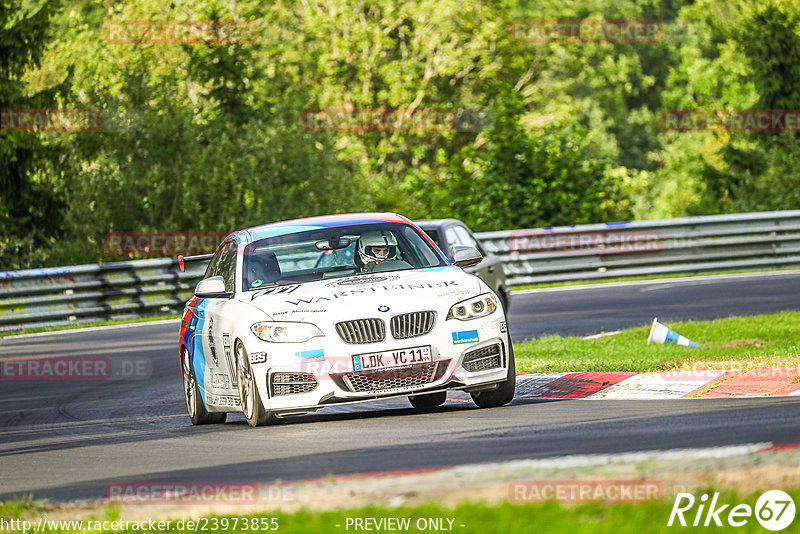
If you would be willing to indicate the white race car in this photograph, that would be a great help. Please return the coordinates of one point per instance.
(297, 315)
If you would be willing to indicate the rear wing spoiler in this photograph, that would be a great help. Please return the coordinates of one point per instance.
(199, 257)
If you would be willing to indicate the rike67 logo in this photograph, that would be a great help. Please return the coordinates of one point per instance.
(774, 510)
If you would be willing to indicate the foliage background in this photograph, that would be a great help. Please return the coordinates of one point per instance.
(209, 136)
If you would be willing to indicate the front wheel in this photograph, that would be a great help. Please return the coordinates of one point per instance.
(429, 400)
(194, 403)
(505, 300)
(252, 407)
(504, 392)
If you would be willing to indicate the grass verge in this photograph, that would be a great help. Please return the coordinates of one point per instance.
(757, 342)
(478, 518)
(88, 325)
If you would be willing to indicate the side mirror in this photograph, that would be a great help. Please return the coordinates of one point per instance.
(211, 288)
(466, 256)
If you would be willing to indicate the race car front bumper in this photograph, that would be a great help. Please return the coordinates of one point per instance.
(300, 379)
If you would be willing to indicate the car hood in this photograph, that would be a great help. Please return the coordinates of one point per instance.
(361, 295)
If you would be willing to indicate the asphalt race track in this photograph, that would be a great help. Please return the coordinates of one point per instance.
(66, 440)
(606, 307)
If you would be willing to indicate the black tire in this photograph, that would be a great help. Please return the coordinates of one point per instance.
(252, 407)
(194, 403)
(505, 300)
(428, 400)
(504, 392)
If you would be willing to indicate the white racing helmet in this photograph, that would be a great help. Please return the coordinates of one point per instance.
(370, 241)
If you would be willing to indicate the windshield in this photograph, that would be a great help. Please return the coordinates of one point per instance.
(335, 252)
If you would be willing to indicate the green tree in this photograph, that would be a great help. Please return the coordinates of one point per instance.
(199, 136)
(734, 56)
(211, 136)
(525, 179)
(759, 171)
(30, 211)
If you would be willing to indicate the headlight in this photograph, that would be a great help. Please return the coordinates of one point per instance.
(473, 308)
(285, 332)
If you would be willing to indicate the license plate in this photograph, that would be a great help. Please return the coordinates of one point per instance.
(392, 358)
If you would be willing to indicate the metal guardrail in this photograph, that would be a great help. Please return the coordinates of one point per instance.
(751, 241)
(747, 241)
(89, 293)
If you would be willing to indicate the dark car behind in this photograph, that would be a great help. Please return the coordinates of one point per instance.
(447, 233)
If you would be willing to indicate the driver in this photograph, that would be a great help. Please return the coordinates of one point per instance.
(375, 247)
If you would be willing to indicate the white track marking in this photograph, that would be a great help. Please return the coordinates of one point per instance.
(666, 385)
(684, 279)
